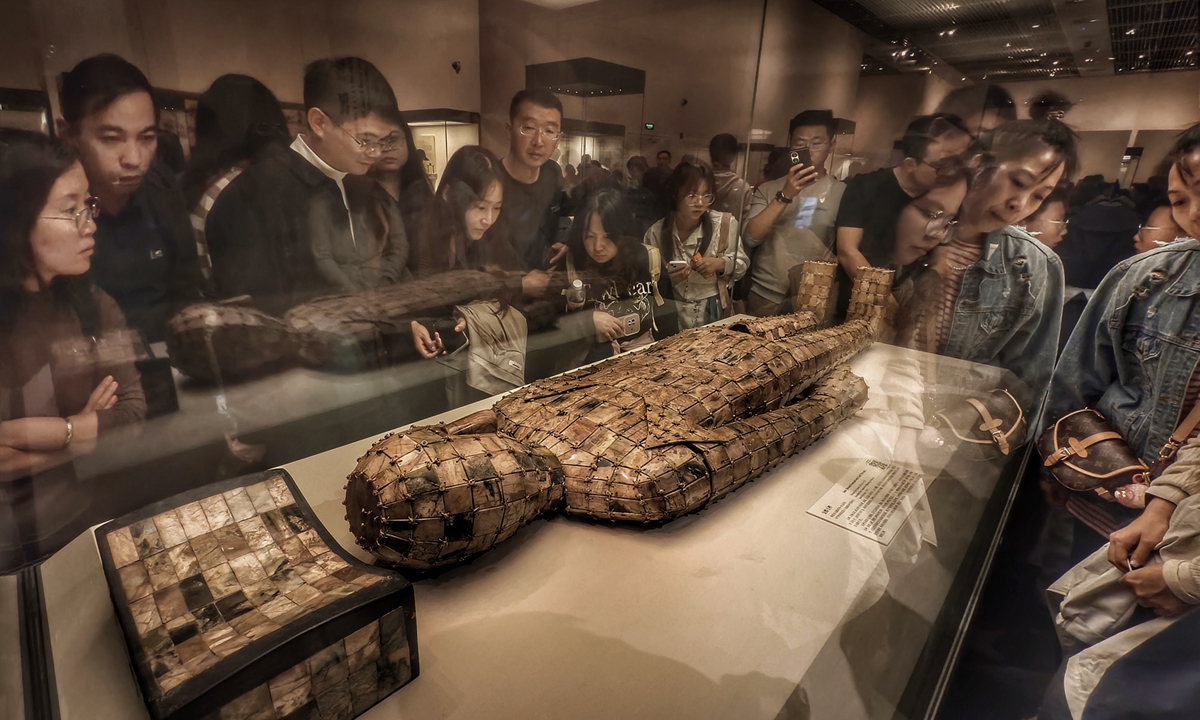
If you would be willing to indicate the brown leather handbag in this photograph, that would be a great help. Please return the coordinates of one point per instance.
(984, 427)
(1085, 454)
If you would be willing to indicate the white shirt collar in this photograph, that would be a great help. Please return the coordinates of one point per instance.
(326, 169)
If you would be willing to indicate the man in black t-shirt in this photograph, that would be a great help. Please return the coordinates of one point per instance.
(533, 182)
(866, 222)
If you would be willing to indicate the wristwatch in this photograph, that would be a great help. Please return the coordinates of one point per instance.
(782, 198)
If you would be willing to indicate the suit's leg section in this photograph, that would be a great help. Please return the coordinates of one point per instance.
(761, 442)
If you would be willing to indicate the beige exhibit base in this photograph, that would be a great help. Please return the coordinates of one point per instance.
(748, 609)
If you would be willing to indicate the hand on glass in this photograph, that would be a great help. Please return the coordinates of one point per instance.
(709, 267)
(535, 283)
(798, 178)
(428, 347)
(607, 326)
(1153, 592)
(1130, 547)
(104, 397)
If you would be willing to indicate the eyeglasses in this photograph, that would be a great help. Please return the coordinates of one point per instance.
(694, 199)
(950, 168)
(802, 144)
(90, 211)
(531, 131)
(938, 225)
(387, 144)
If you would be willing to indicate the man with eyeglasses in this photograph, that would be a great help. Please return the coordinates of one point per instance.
(792, 219)
(145, 256)
(302, 222)
(533, 183)
(933, 147)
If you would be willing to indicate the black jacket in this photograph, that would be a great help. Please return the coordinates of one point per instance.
(146, 255)
(260, 236)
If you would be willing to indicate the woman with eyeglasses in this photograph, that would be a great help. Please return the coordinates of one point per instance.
(1159, 230)
(700, 246)
(991, 294)
(67, 373)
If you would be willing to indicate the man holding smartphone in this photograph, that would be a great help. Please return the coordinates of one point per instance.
(792, 219)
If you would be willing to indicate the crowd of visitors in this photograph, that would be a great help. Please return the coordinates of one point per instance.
(1000, 256)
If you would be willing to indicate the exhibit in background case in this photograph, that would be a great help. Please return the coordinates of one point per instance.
(235, 603)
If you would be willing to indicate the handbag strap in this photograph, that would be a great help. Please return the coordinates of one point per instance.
(1181, 434)
(991, 425)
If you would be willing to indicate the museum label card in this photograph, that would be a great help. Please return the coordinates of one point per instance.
(872, 499)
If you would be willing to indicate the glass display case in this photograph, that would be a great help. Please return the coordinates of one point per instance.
(560, 396)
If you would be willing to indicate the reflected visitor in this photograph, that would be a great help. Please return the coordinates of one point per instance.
(933, 146)
(1159, 229)
(401, 173)
(793, 219)
(277, 232)
(702, 249)
(145, 256)
(1049, 222)
(1001, 293)
(1101, 234)
(643, 203)
(67, 374)
(617, 288)
(238, 121)
(981, 108)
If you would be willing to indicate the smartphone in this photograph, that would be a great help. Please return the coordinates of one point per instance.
(791, 159)
(677, 265)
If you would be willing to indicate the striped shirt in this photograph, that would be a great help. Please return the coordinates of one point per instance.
(959, 255)
(200, 216)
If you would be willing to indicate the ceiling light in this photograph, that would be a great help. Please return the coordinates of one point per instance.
(1008, 44)
(1112, 58)
(952, 31)
(1035, 27)
(1094, 20)
(1088, 60)
(1141, 57)
(1055, 62)
(1189, 52)
(1131, 31)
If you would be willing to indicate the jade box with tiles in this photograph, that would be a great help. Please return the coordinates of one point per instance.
(236, 604)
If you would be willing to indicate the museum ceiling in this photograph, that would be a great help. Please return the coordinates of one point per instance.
(1024, 39)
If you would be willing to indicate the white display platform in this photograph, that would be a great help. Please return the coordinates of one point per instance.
(751, 608)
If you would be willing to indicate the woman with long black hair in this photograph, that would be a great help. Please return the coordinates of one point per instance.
(615, 282)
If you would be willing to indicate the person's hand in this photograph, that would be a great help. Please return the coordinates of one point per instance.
(709, 267)
(460, 325)
(1152, 591)
(103, 397)
(680, 275)
(535, 283)
(558, 251)
(607, 326)
(1130, 547)
(798, 178)
(428, 347)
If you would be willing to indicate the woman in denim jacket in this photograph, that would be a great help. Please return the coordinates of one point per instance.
(1000, 292)
(1132, 357)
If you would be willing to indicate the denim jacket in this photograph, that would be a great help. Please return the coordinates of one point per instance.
(1009, 310)
(1135, 347)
